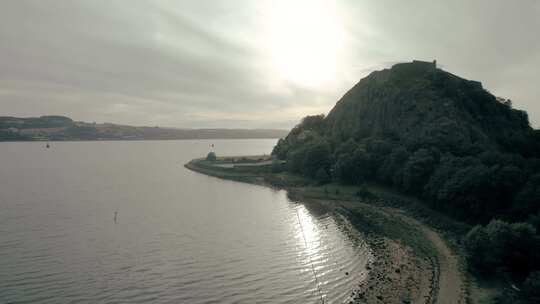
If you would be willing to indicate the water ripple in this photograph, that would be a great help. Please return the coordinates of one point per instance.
(180, 237)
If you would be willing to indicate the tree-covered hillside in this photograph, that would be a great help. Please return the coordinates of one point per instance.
(446, 140)
(428, 133)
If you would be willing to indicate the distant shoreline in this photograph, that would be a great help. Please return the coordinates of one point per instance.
(144, 139)
(61, 128)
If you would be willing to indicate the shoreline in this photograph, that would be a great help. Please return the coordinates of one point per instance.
(127, 139)
(397, 273)
(412, 262)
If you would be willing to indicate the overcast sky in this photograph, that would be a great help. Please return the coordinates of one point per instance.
(248, 64)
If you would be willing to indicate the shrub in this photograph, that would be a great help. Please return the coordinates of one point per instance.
(531, 287)
(500, 245)
(317, 157)
(322, 176)
(477, 247)
(277, 167)
(363, 192)
(211, 156)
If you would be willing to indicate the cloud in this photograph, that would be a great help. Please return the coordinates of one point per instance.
(495, 42)
(207, 63)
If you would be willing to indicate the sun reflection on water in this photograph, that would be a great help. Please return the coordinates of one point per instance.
(308, 235)
(329, 251)
(307, 232)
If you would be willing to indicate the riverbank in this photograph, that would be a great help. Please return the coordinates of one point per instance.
(397, 274)
(413, 262)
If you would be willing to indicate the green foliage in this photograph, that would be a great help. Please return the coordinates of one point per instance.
(277, 167)
(352, 163)
(211, 156)
(378, 149)
(391, 170)
(502, 246)
(35, 122)
(322, 176)
(477, 244)
(280, 150)
(295, 160)
(527, 201)
(363, 192)
(446, 140)
(431, 134)
(417, 170)
(314, 123)
(82, 132)
(316, 157)
(534, 220)
(311, 127)
(309, 159)
(6, 135)
(531, 287)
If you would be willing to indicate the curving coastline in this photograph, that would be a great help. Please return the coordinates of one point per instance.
(412, 262)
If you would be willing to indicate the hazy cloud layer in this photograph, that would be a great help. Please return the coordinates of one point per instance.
(247, 63)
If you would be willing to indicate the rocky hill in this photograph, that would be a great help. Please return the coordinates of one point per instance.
(429, 133)
(419, 103)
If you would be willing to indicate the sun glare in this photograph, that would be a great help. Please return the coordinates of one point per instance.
(305, 40)
(308, 233)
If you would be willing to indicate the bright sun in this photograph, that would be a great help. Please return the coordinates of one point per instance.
(305, 41)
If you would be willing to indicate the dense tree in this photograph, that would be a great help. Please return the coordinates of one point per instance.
(295, 160)
(280, 150)
(6, 135)
(431, 134)
(378, 150)
(531, 288)
(314, 123)
(527, 201)
(477, 245)
(317, 156)
(307, 159)
(346, 148)
(322, 176)
(502, 246)
(391, 170)
(417, 170)
(444, 139)
(353, 167)
(344, 169)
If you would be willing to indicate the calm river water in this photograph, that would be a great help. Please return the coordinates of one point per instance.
(179, 236)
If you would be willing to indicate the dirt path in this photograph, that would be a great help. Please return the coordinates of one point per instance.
(451, 281)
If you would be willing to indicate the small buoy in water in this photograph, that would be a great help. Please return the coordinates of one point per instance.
(47, 146)
(346, 273)
(115, 214)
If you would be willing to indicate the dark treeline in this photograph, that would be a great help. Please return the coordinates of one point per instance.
(64, 128)
(438, 137)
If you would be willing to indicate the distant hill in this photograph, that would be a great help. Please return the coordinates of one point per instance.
(64, 128)
(429, 133)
